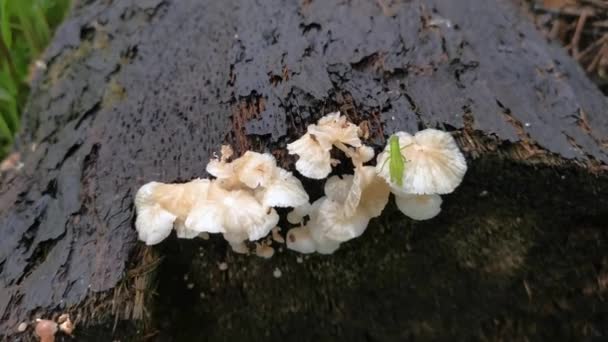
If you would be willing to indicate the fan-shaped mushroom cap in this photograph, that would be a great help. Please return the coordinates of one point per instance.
(333, 224)
(255, 169)
(368, 193)
(337, 188)
(433, 163)
(284, 190)
(419, 207)
(333, 128)
(314, 146)
(233, 212)
(314, 158)
(153, 223)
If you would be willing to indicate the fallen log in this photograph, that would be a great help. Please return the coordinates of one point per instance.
(136, 91)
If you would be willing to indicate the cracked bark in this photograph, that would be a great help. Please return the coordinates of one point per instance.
(146, 90)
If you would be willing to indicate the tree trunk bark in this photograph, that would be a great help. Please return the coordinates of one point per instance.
(136, 91)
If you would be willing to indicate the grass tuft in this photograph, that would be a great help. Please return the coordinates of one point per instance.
(26, 27)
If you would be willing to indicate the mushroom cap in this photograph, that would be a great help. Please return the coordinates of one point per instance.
(333, 128)
(297, 214)
(368, 193)
(153, 223)
(255, 169)
(314, 158)
(419, 207)
(337, 187)
(300, 240)
(179, 199)
(46, 329)
(334, 225)
(363, 154)
(433, 163)
(264, 251)
(235, 212)
(285, 190)
(208, 213)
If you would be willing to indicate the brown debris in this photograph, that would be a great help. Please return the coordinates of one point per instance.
(582, 27)
(245, 110)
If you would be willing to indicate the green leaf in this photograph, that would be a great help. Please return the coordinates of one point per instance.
(5, 95)
(5, 132)
(11, 115)
(5, 23)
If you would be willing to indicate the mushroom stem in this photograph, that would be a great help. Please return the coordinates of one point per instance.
(349, 152)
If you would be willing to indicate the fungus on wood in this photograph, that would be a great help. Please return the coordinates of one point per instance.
(139, 91)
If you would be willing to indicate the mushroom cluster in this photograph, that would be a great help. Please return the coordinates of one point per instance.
(433, 165)
(239, 202)
(350, 201)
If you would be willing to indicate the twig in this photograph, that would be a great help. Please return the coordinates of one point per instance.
(577, 33)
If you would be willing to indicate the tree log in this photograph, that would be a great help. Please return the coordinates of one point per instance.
(136, 91)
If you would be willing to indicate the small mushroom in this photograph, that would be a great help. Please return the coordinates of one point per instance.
(297, 214)
(264, 251)
(46, 329)
(22, 327)
(300, 240)
(67, 327)
(276, 236)
(419, 207)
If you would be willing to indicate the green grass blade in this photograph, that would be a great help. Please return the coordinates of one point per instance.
(5, 95)
(25, 25)
(5, 23)
(11, 115)
(41, 25)
(5, 132)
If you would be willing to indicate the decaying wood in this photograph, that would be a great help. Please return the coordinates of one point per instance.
(136, 91)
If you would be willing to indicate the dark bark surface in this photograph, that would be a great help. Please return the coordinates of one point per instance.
(137, 91)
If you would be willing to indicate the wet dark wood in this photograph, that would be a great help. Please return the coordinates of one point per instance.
(137, 91)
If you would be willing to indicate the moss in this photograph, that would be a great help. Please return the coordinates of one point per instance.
(505, 259)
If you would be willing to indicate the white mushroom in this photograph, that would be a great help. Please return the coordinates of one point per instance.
(315, 160)
(297, 214)
(368, 193)
(160, 205)
(337, 187)
(335, 128)
(283, 190)
(153, 223)
(314, 147)
(236, 212)
(264, 251)
(300, 240)
(433, 163)
(419, 207)
(255, 169)
(333, 223)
